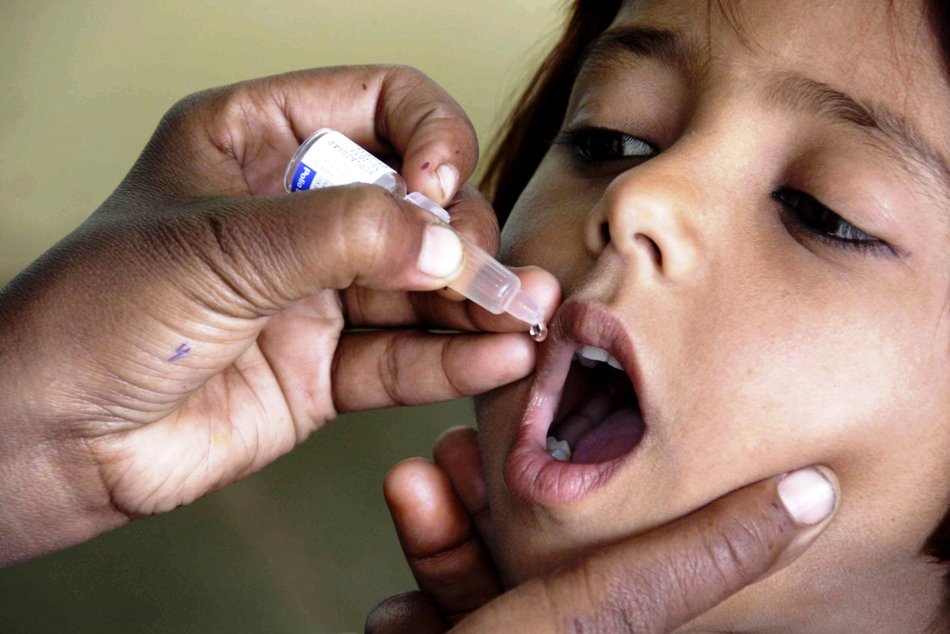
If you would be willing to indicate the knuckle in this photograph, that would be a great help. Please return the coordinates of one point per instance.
(446, 358)
(407, 71)
(184, 108)
(438, 110)
(626, 601)
(173, 137)
(228, 258)
(373, 220)
(593, 598)
(738, 548)
(186, 113)
(409, 75)
(440, 113)
(390, 369)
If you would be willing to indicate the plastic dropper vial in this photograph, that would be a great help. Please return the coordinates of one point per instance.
(329, 158)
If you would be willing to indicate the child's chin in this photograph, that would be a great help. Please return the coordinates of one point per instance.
(521, 555)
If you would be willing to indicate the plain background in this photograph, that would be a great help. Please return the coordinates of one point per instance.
(306, 545)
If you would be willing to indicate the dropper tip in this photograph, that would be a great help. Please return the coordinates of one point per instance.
(526, 308)
(539, 331)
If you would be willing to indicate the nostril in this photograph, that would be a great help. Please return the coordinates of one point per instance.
(596, 239)
(647, 243)
(604, 234)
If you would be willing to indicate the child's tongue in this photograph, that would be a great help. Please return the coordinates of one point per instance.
(616, 435)
(599, 415)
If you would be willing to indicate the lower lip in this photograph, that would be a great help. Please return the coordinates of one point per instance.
(531, 473)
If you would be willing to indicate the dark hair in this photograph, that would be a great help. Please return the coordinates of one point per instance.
(538, 114)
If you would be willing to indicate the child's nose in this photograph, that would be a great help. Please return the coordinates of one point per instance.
(651, 217)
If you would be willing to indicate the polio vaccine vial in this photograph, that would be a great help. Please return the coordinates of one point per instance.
(328, 158)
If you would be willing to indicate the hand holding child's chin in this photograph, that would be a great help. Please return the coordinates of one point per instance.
(656, 581)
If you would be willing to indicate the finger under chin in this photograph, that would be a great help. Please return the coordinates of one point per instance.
(407, 367)
(444, 552)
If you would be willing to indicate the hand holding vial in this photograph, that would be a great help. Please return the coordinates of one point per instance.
(327, 159)
(213, 316)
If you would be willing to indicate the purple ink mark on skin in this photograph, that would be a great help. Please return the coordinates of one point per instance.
(426, 165)
(180, 352)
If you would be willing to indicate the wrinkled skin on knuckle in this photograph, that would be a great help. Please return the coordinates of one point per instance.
(602, 598)
(448, 350)
(372, 222)
(410, 81)
(246, 119)
(390, 371)
(637, 599)
(405, 74)
(740, 547)
(225, 256)
(406, 78)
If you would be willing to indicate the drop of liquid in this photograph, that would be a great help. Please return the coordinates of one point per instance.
(539, 332)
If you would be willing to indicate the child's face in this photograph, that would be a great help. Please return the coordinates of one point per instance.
(763, 331)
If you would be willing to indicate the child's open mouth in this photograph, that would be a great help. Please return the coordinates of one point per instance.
(599, 417)
(583, 418)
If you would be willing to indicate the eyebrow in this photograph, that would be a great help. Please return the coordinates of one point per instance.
(796, 92)
(886, 129)
(669, 47)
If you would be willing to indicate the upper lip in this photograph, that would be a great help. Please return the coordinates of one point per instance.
(587, 324)
(529, 469)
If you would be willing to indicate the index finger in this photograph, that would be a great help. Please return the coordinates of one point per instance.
(259, 123)
(385, 108)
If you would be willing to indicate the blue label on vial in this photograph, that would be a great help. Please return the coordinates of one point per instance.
(302, 178)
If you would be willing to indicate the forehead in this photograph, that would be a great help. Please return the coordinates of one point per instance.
(879, 43)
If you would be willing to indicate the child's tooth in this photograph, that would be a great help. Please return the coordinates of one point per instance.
(612, 362)
(587, 363)
(560, 455)
(559, 449)
(594, 353)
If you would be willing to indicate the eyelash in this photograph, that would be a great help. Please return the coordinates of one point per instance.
(827, 226)
(590, 146)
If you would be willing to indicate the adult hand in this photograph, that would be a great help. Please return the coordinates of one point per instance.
(196, 326)
(654, 582)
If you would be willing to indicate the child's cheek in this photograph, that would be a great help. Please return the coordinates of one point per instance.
(547, 226)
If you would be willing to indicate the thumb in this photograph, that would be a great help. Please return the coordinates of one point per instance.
(662, 579)
(259, 254)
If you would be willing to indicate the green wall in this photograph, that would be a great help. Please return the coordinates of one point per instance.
(305, 545)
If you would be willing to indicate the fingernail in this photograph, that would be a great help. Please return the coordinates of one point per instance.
(441, 254)
(449, 180)
(808, 496)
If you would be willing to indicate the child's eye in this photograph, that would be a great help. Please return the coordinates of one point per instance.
(822, 222)
(600, 145)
